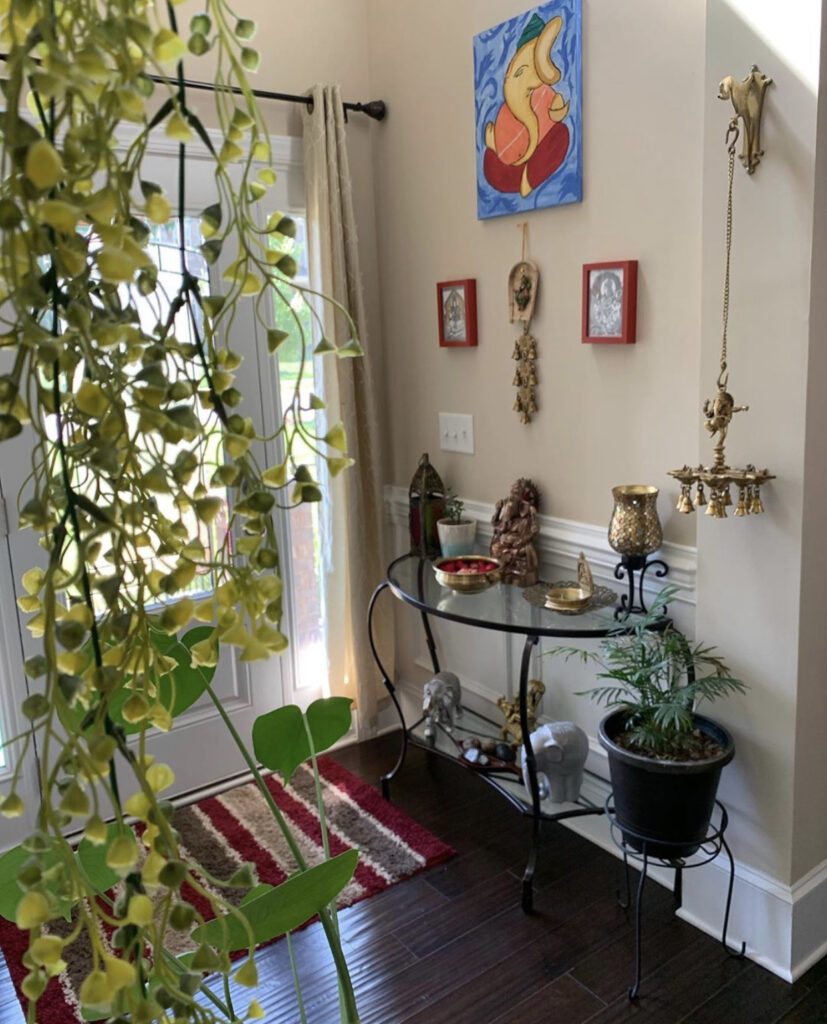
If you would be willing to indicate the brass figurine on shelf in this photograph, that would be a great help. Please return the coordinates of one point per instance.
(511, 729)
(719, 478)
(515, 527)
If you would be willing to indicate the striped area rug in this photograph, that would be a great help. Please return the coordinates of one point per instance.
(225, 831)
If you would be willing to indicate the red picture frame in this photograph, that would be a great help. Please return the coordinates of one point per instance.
(457, 313)
(610, 302)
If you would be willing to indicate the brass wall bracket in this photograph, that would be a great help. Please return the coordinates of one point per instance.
(748, 100)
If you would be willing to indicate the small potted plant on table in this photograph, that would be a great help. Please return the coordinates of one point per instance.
(665, 759)
(456, 533)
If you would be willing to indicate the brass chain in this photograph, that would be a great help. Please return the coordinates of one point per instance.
(731, 140)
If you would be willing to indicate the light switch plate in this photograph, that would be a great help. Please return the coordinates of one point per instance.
(456, 432)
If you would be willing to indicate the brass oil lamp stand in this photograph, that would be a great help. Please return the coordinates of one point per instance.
(719, 479)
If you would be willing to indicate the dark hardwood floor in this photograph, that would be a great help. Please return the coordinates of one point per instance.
(451, 946)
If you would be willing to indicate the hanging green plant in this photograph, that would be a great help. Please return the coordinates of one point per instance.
(134, 443)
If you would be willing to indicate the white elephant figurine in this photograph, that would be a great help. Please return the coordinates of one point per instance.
(560, 751)
(441, 703)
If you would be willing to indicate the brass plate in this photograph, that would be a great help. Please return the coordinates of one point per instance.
(603, 597)
(567, 599)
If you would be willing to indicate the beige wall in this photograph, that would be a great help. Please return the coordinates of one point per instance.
(625, 413)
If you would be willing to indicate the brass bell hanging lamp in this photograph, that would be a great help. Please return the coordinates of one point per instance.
(714, 484)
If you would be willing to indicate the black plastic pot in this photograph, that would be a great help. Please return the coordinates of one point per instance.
(667, 804)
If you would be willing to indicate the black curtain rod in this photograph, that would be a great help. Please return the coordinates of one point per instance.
(373, 108)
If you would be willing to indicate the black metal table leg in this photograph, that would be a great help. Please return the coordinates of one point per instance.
(531, 767)
(385, 779)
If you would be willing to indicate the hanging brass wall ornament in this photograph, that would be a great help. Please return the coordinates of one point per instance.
(720, 478)
(522, 295)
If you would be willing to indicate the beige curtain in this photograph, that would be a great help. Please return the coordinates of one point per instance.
(355, 524)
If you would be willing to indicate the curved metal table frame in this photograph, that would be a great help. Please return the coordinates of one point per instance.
(532, 636)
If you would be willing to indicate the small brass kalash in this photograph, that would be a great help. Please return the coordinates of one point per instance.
(748, 99)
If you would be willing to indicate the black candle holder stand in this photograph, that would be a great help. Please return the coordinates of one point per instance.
(633, 846)
(634, 568)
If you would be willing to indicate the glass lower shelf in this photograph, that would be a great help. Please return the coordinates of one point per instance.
(507, 779)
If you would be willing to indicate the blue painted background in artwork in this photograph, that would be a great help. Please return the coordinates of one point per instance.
(493, 50)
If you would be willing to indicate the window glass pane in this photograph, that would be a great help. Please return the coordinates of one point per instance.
(306, 521)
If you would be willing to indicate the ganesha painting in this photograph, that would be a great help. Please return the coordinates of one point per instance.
(527, 86)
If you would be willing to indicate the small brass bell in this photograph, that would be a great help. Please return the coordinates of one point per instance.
(756, 505)
(516, 382)
(532, 379)
(741, 508)
(516, 353)
(700, 500)
(518, 405)
(532, 406)
(726, 495)
(532, 351)
(525, 418)
(685, 503)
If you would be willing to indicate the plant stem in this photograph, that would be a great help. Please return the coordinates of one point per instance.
(350, 1011)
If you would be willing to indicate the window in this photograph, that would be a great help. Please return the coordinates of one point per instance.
(306, 521)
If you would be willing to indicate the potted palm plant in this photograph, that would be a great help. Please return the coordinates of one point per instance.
(665, 759)
(456, 532)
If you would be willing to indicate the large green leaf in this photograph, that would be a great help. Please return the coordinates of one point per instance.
(329, 720)
(189, 683)
(281, 909)
(93, 860)
(280, 739)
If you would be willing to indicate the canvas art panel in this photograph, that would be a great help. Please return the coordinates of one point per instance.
(457, 312)
(528, 111)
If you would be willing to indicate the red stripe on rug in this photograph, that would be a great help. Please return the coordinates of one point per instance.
(242, 841)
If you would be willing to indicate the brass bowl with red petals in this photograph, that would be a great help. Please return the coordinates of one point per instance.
(467, 574)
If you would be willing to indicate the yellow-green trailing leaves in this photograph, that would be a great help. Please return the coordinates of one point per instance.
(44, 168)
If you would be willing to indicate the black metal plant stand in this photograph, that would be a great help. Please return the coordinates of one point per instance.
(633, 845)
(633, 566)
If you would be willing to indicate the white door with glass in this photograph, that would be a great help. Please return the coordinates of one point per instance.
(199, 748)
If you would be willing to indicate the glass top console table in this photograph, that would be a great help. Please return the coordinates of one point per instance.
(502, 608)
